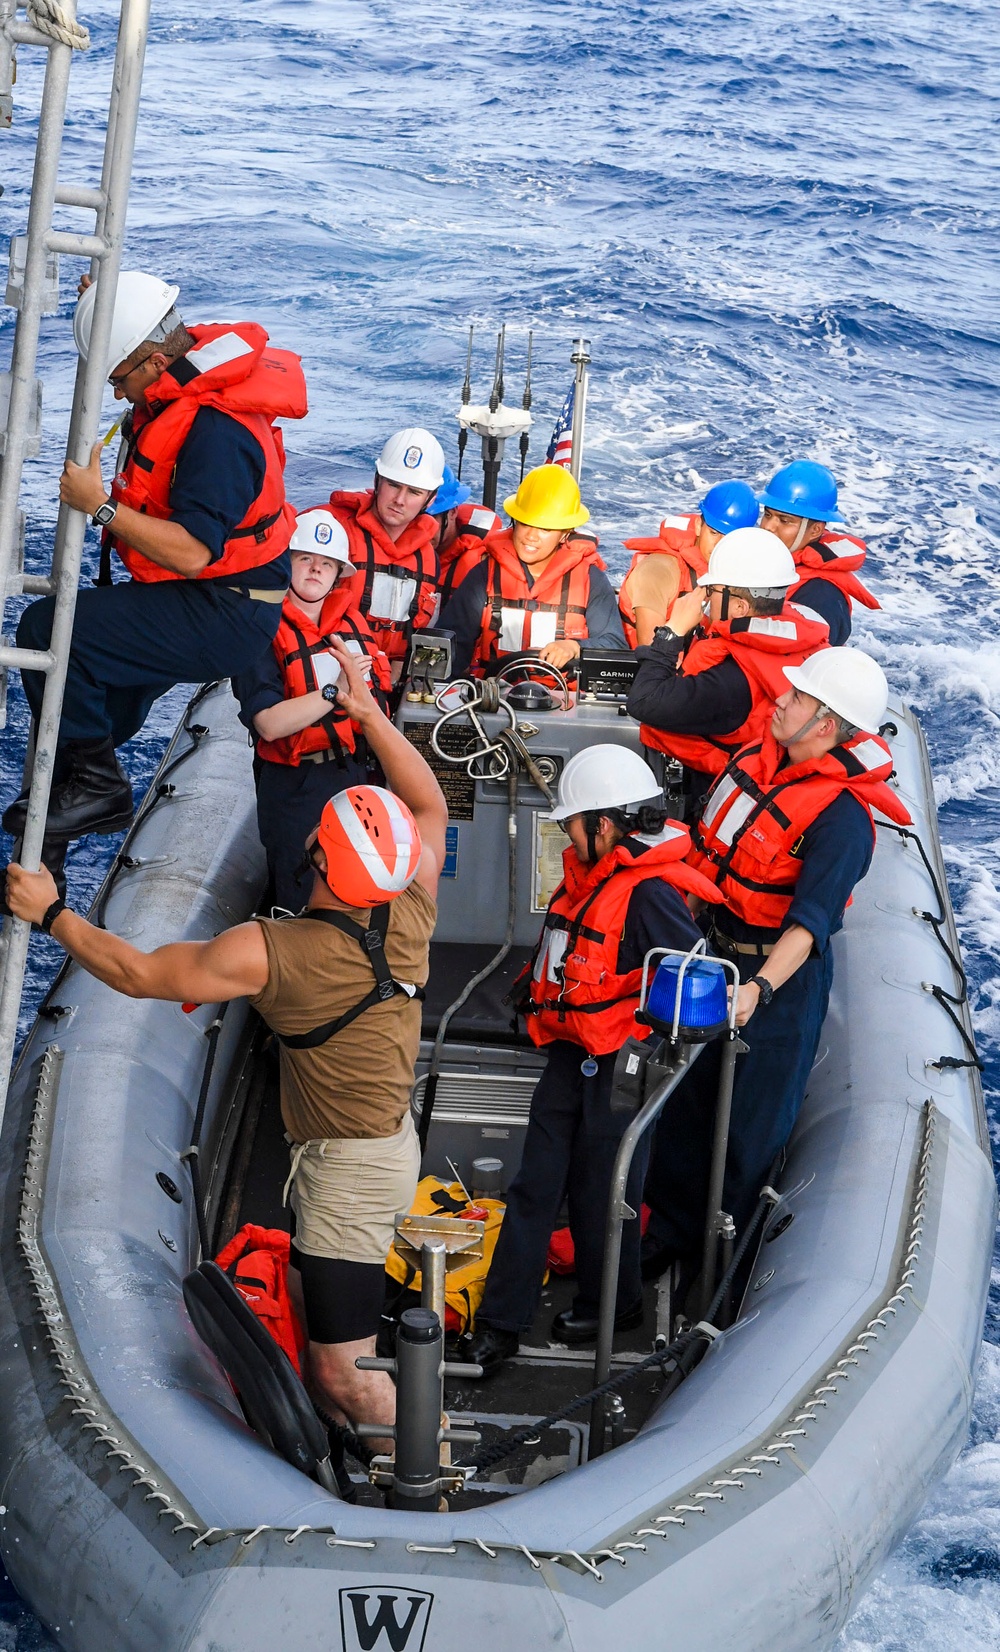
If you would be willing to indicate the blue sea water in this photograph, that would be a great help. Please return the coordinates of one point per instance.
(778, 226)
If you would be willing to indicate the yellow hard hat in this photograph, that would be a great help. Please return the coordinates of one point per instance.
(548, 498)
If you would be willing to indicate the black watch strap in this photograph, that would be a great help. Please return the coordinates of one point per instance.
(765, 988)
(52, 913)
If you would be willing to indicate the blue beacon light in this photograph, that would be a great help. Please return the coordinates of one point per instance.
(704, 999)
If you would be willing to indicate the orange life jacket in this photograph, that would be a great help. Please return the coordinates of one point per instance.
(576, 992)
(396, 585)
(518, 616)
(749, 838)
(465, 552)
(831, 557)
(678, 538)
(256, 1260)
(233, 369)
(297, 641)
(762, 647)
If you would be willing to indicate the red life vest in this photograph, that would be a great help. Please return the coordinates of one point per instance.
(762, 647)
(298, 639)
(465, 552)
(749, 837)
(518, 616)
(834, 557)
(256, 1260)
(678, 538)
(396, 585)
(576, 992)
(231, 368)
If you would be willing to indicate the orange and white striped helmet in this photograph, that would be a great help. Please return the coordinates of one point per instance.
(371, 843)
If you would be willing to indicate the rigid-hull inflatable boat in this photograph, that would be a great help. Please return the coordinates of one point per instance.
(749, 1508)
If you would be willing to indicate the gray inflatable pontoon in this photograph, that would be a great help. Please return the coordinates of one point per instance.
(747, 1510)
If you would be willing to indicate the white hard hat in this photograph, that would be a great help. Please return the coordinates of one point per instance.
(605, 777)
(750, 559)
(846, 681)
(320, 534)
(142, 304)
(413, 456)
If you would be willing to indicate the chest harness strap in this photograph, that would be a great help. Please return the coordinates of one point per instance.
(372, 944)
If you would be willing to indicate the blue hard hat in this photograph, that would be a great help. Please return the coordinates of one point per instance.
(803, 488)
(452, 492)
(730, 505)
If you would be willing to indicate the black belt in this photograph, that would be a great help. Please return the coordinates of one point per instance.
(257, 595)
(752, 949)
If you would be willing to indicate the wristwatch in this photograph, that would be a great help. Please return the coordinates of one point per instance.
(50, 914)
(329, 693)
(104, 514)
(764, 987)
(667, 632)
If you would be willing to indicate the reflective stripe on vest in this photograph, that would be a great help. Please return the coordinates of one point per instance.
(757, 812)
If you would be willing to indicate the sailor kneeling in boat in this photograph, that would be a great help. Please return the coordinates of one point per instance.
(664, 568)
(307, 749)
(198, 515)
(708, 682)
(800, 506)
(541, 585)
(340, 985)
(786, 834)
(623, 877)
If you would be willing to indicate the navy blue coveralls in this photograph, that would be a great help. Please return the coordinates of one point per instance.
(291, 796)
(783, 1037)
(463, 614)
(713, 702)
(569, 1149)
(830, 603)
(134, 641)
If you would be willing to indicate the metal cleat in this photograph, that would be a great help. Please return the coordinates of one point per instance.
(33, 431)
(15, 277)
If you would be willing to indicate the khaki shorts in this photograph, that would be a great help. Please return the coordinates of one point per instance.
(346, 1194)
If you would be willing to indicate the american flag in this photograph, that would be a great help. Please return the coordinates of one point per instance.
(560, 449)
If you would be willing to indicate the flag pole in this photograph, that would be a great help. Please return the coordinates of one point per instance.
(581, 361)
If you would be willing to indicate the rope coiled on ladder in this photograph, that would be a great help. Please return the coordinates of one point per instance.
(49, 17)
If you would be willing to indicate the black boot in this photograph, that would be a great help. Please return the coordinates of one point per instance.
(94, 797)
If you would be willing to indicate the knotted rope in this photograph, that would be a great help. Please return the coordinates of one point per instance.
(49, 17)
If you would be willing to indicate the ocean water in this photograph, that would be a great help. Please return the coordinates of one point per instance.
(778, 226)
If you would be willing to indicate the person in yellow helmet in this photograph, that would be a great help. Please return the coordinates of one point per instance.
(541, 585)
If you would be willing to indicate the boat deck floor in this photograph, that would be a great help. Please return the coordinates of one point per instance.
(542, 1378)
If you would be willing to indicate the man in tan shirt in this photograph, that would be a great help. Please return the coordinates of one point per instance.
(348, 1021)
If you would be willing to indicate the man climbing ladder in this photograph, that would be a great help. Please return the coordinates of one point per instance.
(198, 515)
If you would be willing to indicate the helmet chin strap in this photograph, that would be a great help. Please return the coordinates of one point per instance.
(800, 537)
(592, 825)
(807, 728)
(724, 611)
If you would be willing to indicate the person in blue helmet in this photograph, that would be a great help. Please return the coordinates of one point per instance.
(664, 568)
(800, 506)
(463, 525)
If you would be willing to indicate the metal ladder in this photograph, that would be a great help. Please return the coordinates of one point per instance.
(33, 289)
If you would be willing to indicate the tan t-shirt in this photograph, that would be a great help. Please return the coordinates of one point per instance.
(655, 583)
(357, 1084)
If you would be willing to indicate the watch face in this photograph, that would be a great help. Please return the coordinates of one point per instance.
(105, 513)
